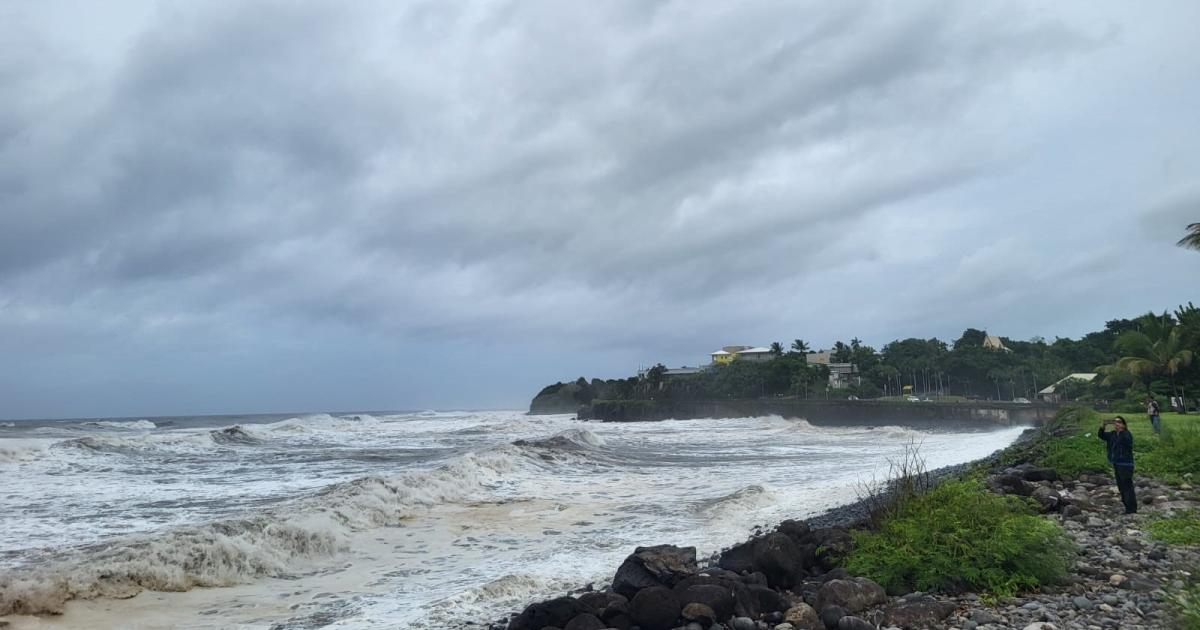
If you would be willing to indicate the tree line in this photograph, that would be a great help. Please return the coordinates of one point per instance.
(1152, 353)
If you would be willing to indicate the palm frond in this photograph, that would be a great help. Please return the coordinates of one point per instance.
(1192, 240)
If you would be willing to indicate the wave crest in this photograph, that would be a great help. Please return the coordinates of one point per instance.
(569, 440)
(130, 425)
(236, 551)
(234, 435)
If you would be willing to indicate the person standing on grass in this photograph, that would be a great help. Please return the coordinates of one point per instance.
(1120, 455)
(1153, 410)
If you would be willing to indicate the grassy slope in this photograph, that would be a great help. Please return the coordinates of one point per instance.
(936, 541)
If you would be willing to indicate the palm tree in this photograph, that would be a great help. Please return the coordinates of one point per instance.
(776, 348)
(1155, 349)
(1192, 240)
(799, 345)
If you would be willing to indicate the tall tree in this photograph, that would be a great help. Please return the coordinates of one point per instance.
(1192, 240)
(799, 345)
(776, 348)
(1155, 349)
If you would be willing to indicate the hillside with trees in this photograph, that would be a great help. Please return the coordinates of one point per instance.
(1154, 353)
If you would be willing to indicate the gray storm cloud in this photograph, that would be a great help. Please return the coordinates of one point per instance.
(648, 178)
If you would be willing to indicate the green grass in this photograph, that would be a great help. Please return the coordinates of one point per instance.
(1182, 529)
(1187, 606)
(961, 537)
(1169, 456)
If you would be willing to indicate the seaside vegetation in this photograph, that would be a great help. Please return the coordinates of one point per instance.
(1150, 354)
(959, 537)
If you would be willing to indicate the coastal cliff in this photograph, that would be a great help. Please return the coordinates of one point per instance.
(575, 396)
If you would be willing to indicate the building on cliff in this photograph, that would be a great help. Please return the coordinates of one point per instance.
(741, 353)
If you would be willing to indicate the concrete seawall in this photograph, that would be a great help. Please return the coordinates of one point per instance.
(827, 412)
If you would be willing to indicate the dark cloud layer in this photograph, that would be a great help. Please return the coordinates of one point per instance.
(349, 206)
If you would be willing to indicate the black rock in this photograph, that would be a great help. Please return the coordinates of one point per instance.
(699, 613)
(756, 577)
(597, 601)
(661, 565)
(1011, 484)
(738, 558)
(854, 623)
(924, 612)
(831, 614)
(853, 595)
(655, 608)
(837, 573)
(745, 604)
(586, 621)
(768, 600)
(779, 558)
(833, 543)
(1035, 473)
(796, 530)
(555, 612)
(716, 597)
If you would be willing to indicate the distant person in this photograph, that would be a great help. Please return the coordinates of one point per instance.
(1120, 455)
(1152, 410)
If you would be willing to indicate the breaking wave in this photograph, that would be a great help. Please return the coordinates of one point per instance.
(234, 551)
(13, 451)
(132, 425)
(234, 435)
(743, 500)
(570, 440)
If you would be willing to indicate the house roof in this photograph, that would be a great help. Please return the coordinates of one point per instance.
(720, 352)
(993, 341)
(1086, 377)
(758, 350)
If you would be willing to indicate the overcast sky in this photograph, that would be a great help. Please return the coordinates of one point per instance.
(213, 207)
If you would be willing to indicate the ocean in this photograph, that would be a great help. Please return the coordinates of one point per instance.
(381, 520)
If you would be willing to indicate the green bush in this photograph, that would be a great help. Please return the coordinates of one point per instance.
(960, 537)
(1183, 529)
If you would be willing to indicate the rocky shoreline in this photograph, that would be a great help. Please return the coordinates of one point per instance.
(789, 578)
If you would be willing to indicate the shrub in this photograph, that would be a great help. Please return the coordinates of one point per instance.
(960, 536)
(1183, 529)
(907, 478)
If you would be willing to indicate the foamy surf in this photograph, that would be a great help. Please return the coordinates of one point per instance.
(236, 551)
(386, 520)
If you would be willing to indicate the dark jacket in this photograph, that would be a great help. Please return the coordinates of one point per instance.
(1120, 446)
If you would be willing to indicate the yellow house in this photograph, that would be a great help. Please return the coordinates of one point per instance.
(721, 357)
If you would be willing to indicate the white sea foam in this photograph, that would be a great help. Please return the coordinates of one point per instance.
(736, 503)
(131, 425)
(420, 520)
(235, 551)
(18, 450)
